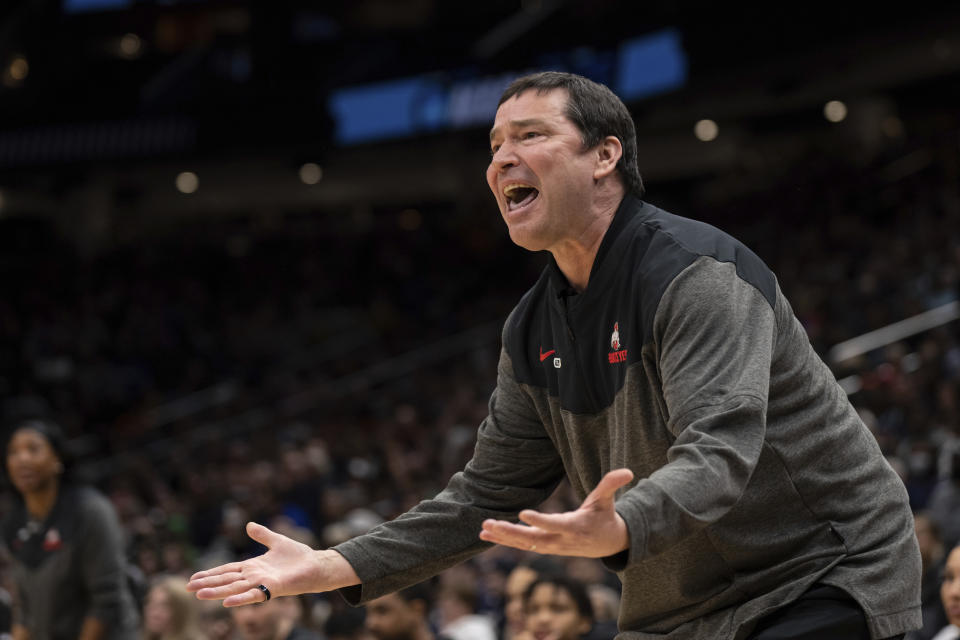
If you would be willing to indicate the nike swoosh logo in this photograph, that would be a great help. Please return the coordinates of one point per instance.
(544, 356)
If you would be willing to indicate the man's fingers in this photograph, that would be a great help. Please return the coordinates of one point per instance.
(195, 579)
(554, 522)
(211, 582)
(502, 529)
(250, 596)
(501, 532)
(608, 485)
(517, 536)
(226, 591)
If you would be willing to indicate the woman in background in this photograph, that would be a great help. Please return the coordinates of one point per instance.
(66, 546)
(170, 613)
(950, 596)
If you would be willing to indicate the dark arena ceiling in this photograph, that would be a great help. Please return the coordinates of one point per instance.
(125, 93)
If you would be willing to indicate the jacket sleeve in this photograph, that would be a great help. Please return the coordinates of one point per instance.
(514, 466)
(714, 338)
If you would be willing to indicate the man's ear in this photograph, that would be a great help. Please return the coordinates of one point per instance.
(609, 152)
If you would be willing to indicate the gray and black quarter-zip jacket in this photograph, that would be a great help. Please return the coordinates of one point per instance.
(682, 361)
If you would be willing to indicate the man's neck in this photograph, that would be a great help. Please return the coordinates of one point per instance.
(575, 257)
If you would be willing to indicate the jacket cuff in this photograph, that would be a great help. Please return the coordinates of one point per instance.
(636, 535)
(366, 568)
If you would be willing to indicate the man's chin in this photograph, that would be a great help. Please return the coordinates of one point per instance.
(526, 238)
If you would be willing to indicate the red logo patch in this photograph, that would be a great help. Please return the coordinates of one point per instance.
(52, 541)
(617, 354)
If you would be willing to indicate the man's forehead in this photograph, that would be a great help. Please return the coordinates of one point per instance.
(532, 106)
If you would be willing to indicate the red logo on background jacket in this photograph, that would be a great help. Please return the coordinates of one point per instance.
(52, 541)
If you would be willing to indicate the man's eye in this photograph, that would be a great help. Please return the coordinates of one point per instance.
(530, 134)
(494, 149)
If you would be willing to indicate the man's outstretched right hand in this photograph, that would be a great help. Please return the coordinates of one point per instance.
(287, 568)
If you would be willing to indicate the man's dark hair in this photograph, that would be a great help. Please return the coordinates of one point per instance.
(576, 590)
(595, 110)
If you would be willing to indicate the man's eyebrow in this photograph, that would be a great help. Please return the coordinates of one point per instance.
(519, 124)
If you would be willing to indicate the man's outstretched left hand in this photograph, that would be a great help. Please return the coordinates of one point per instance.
(594, 530)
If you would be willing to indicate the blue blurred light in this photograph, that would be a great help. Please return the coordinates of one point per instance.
(399, 108)
(651, 64)
(80, 6)
(387, 110)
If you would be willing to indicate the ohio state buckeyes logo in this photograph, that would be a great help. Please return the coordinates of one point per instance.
(617, 354)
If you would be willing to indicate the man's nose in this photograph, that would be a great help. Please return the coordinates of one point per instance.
(504, 157)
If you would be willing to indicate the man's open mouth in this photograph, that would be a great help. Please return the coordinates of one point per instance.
(519, 195)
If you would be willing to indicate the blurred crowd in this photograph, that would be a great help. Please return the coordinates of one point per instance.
(291, 317)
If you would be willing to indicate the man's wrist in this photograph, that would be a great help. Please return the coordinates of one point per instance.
(333, 571)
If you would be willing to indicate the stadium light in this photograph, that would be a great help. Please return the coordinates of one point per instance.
(311, 173)
(16, 71)
(19, 68)
(187, 182)
(706, 130)
(130, 45)
(835, 111)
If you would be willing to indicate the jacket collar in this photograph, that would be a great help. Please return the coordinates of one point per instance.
(603, 266)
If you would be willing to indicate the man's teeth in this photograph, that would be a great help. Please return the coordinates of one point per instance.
(518, 194)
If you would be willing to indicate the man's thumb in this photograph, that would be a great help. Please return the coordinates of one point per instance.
(261, 534)
(612, 481)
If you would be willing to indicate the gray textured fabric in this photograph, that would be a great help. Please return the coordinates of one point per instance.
(755, 476)
(85, 577)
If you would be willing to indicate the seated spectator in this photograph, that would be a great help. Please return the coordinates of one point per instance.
(518, 580)
(170, 613)
(606, 609)
(275, 619)
(932, 556)
(459, 617)
(557, 608)
(216, 623)
(944, 505)
(347, 624)
(950, 595)
(402, 615)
